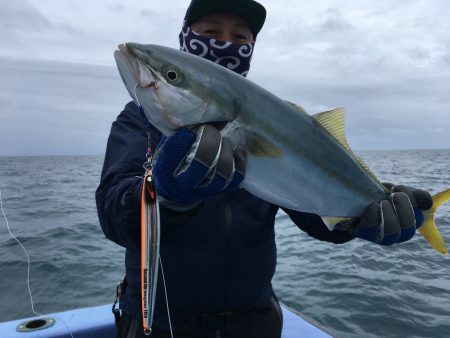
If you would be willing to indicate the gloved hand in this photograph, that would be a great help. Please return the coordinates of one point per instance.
(192, 166)
(394, 220)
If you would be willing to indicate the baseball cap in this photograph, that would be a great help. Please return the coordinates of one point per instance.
(251, 11)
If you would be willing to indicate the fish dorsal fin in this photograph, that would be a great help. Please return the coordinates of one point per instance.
(333, 121)
(296, 106)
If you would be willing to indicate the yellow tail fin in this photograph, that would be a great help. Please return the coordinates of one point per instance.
(429, 229)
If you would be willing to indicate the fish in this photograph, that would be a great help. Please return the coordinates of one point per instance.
(294, 160)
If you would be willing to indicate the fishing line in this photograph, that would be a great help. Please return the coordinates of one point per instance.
(152, 84)
(28, 265)
(135, 95)
(165, 293)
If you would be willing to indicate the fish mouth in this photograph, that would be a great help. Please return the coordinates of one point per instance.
(123, 48)
(126, 49)
(143, 83)
(129, 58)
(126, 64)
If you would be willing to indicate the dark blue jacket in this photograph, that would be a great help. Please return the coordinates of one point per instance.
(217, 257)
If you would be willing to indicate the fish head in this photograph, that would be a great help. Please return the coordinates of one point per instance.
(174, 88)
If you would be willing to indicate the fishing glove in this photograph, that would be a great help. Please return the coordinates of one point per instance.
(396, 219)
(191, 166)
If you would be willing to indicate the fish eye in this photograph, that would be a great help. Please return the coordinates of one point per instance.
(171, 75)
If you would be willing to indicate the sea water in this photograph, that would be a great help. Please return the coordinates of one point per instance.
(357, 289)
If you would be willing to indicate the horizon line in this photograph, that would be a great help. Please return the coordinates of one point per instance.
(103, 154)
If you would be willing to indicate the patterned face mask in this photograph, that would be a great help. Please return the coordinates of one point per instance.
(233, 56)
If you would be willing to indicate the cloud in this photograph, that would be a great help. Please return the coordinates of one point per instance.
(118, 7)
(148, 13)
(387, 62)
(445, 57)
(29, 32)
(57, 108)
(85, 32)
(334, 22)
(20, 15)
(382, 36)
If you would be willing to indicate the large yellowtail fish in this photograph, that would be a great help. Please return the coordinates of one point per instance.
(294, 160)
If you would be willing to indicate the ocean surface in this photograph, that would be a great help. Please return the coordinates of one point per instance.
(357, 289)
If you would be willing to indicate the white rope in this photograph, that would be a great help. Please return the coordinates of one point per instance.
(28, 265)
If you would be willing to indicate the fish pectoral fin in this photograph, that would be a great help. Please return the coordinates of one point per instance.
(259, 146)
(429, 229)
(331, 222)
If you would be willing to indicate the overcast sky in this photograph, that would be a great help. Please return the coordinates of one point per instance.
(387, 62)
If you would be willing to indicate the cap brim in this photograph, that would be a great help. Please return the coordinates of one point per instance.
(251, 11)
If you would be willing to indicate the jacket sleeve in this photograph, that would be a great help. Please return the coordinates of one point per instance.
(313, 225)
(118, 195)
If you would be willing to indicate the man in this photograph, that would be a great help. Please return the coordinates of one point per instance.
(217, 240)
